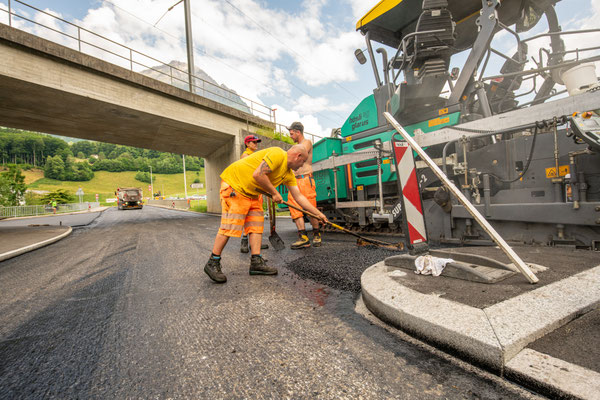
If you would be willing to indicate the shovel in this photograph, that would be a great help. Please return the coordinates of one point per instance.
(361, 239)
(274, 238)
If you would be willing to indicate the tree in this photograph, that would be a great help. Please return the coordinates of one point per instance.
(61, 196)
(12, 186)
(127, 162)
(52, 145)
(144, 177)
(55, 167)
(64, 153)
(81, 171)
(106, 148)
(84, 146)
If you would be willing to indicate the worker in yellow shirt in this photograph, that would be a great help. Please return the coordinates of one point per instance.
(251, 143)
(241, 184)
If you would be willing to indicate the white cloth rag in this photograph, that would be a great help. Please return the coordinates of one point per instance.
(430, 265)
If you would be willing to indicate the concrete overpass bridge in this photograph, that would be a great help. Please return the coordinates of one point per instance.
(51, 88)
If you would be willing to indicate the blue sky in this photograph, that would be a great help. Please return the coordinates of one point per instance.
(296, 56)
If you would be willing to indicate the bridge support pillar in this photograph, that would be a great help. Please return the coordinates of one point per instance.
(214, 166)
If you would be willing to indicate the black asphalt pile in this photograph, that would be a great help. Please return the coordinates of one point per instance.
(339, 267)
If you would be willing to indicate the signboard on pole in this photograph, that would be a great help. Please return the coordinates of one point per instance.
(412, 205)
(79, 193)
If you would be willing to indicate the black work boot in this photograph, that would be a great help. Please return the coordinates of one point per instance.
(316, 239)
(213, 270)
(244, 248)
(302, 243)
(258, 266)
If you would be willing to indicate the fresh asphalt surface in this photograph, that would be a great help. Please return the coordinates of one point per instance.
(73, 220)
(122, 309)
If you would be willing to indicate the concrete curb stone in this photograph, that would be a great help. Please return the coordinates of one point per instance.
(31, 247)
(431, 317)
(553, 376)
(491, 336)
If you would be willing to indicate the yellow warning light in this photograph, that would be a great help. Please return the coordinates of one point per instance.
(574, 114)
(586, 115)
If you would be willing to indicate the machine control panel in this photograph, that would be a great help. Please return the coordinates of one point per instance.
(586, 126)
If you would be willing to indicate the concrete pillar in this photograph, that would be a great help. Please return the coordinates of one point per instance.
(214, 166)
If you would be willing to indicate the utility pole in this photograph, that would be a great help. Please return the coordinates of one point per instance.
(184, 178)
(189, 42)
(188, 38)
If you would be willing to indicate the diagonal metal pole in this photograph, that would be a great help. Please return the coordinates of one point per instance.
(521, 266)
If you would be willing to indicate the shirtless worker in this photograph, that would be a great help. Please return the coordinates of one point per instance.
(241, 184)
(306, 184)
(251, 143)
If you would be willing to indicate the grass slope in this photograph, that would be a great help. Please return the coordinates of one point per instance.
(105, 183)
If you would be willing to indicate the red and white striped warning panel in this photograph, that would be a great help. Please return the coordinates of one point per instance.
(411, 197)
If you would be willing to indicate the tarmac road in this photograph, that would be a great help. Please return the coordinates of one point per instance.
(73, 220)
(122, 309)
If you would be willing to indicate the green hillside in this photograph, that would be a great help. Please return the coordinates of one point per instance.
(105, 183)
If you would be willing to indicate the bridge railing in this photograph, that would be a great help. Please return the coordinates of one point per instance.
(28, 211)
(282, 130)
(71, 35)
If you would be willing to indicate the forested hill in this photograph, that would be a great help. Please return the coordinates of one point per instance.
(77, 161)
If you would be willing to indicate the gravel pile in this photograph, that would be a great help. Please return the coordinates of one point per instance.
(339, 267)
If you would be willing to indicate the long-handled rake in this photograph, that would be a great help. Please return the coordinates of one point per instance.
(362, 240)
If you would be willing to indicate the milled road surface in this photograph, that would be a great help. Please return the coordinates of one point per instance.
(121, 309)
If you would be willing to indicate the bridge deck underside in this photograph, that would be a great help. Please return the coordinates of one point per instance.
(39, 108)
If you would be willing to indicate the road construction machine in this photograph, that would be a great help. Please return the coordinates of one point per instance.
(129, 197)
(522, 142)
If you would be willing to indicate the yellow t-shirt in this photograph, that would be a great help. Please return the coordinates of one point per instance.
(239, 174)
(248, 151)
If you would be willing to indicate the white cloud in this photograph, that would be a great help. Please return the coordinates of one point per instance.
(311, 124)
(310, 105)
(4, 13)
(259, 52)
(360, 8)
(331, 60)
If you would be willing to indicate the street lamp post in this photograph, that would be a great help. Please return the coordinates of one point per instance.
(151, 185)
(184, 177)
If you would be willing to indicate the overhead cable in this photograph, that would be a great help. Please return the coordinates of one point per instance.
(224, 63)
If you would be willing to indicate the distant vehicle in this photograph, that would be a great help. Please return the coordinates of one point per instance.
(129, 198)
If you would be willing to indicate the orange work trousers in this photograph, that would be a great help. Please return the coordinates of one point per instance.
(306, 185)
(239, 214)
